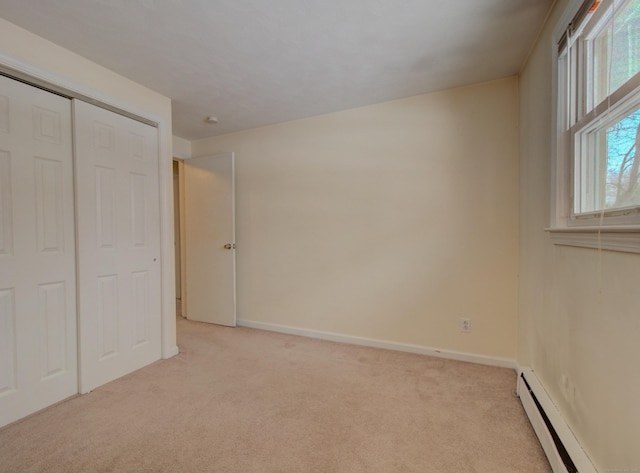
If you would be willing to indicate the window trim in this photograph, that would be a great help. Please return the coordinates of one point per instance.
(615, 230)
(625, 238)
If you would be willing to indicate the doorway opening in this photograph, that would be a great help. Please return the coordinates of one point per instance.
(179, 237)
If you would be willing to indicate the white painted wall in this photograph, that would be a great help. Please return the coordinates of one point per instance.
(389, 222)
(181, 148)
(31, 54)
(579, 314)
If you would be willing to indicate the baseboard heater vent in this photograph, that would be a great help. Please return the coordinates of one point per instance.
(558, 442)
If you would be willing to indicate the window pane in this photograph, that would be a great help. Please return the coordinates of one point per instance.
(622, 181)
(618, 45)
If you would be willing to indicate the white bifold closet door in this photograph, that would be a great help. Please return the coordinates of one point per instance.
(118, 215)
(38, 340)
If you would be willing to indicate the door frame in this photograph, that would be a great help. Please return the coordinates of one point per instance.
(181, 223)
(61, 85)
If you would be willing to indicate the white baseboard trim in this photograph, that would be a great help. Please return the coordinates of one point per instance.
(387, 345)
(173, 351)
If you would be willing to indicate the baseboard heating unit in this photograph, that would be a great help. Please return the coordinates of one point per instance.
(560, 445)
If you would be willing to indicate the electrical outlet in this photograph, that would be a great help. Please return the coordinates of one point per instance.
(465, 325)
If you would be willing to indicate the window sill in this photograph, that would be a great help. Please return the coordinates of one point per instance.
(625, 239)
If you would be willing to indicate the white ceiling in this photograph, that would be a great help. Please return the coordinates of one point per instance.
(258, 62)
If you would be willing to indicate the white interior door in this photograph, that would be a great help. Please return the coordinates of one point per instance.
(119, 242)
(38, 354)
(210, 239)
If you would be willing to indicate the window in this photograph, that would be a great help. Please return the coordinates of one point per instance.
(598, 152)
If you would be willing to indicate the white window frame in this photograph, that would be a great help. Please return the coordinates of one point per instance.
(617, 229)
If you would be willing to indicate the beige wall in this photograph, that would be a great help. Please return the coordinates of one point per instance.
(579, 309)
(181, 148)
(34, 56)
(388, 222)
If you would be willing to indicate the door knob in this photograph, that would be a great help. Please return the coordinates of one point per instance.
(230, 246)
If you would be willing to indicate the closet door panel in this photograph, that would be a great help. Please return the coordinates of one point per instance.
(38, 337)
(119, 244)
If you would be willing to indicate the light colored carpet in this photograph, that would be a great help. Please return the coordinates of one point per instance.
(242, 400)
